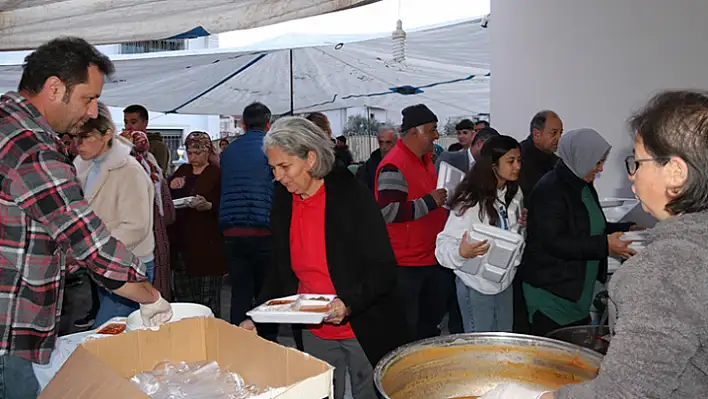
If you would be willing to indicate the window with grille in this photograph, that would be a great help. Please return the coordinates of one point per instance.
(152, 46)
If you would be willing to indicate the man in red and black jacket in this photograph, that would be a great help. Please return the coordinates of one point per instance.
(412, 208)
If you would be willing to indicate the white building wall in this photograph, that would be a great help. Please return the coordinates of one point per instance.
(338, 117)
(594, 62)
(186, 123)
(379, 114)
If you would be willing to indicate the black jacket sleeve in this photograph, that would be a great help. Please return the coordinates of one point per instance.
(615, 227)
(550, 213)
(364, 173)
(376, 254)
(528, 177)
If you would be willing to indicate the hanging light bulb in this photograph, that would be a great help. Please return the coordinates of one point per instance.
(399, 43)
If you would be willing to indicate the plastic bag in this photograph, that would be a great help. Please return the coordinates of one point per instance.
(203, 380)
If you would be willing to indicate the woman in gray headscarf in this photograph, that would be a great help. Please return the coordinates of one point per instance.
(568, 237)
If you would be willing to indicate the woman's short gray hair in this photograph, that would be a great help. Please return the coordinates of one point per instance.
(297, 137)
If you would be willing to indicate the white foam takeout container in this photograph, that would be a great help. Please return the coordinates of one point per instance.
(638, 239)
(115, 320)
(504, 249)
(634, 236)
(449, 177)
(180, 311)
(182, 202)
(615, 209)
(288, 313)
(638, 244)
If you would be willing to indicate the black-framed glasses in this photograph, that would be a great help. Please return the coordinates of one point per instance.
(632, 163)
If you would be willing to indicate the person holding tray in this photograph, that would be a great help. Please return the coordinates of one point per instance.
(568, 237)
(489, 195)
(330, 239)
(658, 297)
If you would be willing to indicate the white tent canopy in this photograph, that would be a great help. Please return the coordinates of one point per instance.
(446, 66)
(29, 23)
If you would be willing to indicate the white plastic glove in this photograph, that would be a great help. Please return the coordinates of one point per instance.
(156, 313)
(512, 391)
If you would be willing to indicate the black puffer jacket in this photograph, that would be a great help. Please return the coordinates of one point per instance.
(558, 243)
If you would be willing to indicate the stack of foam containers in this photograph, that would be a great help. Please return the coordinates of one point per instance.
(615, 209)
(505, 248)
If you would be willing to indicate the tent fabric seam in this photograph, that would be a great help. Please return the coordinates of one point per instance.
(221, 82)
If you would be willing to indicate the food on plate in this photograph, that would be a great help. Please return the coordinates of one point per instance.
(112, 329)
(318, 298)
(276, 302)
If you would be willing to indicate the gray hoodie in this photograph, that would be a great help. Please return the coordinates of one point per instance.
(660, 349)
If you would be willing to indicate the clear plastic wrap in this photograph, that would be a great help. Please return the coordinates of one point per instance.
(202, 380)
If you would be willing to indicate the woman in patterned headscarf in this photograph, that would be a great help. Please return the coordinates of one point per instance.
(198, 258)
(164, 211)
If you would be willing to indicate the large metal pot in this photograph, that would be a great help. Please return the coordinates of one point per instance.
(592, 337)
(469, 365)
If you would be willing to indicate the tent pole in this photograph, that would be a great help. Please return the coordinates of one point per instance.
(292, 88)
(368, 124)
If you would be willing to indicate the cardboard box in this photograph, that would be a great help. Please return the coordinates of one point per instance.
(102, 368)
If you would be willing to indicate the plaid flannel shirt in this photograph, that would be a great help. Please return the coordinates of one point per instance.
(44, 217)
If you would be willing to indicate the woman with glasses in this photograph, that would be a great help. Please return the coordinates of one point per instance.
(568, 237)
(196, 244)
(659, 297)
(121, 194)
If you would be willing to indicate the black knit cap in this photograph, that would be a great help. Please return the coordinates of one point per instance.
(416, 115)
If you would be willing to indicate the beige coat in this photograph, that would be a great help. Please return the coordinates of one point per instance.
(122, 197)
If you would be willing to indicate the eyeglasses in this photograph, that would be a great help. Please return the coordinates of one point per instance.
(632, 163)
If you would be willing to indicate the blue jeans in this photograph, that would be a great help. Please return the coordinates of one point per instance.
(17, 380)
(485, 313)
(114, 305)
(249, 261)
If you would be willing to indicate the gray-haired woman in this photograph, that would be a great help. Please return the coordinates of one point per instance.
(659, 348)
(330, 238)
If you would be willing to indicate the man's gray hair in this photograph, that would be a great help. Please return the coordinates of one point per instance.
(538, 122)
(297, 137)
(385, 128)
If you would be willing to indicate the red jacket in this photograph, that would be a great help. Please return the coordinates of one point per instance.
(414, 242)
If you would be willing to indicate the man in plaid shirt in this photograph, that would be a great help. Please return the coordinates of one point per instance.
(43, 216)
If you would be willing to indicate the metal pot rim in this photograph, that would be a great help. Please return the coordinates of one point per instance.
(385, 362)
